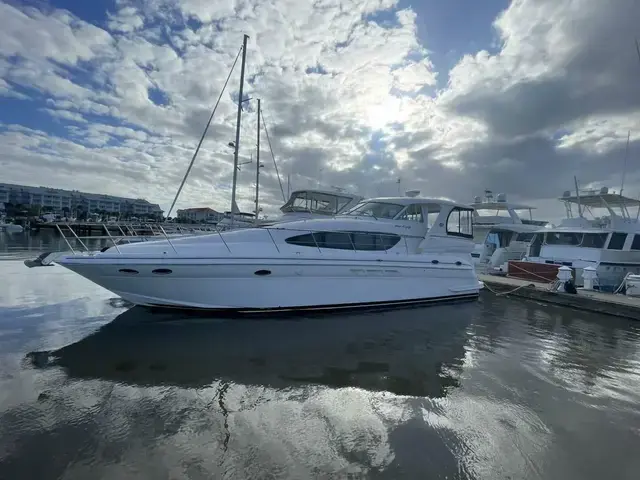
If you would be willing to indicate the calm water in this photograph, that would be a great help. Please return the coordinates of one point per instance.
(498, 389)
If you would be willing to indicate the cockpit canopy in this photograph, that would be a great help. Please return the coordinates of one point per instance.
(316, 202)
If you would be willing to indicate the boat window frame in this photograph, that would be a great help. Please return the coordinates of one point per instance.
(335, 202)
(517, 239)
(404, 211)
(468, 221)
(360, 205)
(316, 240)
(633, 242)
(617, 235)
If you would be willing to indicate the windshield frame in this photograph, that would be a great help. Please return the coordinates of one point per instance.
(357, 210)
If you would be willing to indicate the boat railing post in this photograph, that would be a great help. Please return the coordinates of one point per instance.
(77, 237)
(65, 239)
(112, 239)
(272, 239)
(121, 231)
(382, 242)
(168, 240)
(222, 238)
(353, 245)
(315, 241)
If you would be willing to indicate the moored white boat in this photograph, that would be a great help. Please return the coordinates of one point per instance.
(610, 245)
(384, 251)
(11, 228)
(501, 234)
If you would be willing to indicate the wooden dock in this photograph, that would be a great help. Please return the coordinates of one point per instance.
(586, 300)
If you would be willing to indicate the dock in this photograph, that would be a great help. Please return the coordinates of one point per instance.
(587, 300)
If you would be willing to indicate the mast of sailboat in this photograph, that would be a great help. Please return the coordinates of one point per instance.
(258, 168)
(575, 180)
(234, 206)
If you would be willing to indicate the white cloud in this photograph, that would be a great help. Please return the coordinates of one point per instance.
(134, 97)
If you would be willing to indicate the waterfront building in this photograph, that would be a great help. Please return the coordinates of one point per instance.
(74, 202)
(200, 214)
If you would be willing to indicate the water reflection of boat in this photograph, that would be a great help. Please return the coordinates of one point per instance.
(407, 354)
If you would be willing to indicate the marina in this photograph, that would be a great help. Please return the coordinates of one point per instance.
(167, 311)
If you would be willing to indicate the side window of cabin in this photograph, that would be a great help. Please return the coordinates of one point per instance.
(413, 213)
(636, 242)
(364, 241)
(594, 240)
(524, 237)
(459, 222)
(617, 241)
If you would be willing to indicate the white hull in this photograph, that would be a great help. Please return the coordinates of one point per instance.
(11, 228)
(225, 284)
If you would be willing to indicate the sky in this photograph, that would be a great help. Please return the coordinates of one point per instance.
(111, 96)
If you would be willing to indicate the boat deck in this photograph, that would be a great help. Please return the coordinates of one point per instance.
(588, 300)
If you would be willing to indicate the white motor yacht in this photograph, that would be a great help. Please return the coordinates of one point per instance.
(384, 251)
(500, 233)
(610, 243)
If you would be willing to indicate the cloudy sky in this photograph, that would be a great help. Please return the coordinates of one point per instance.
(453, 97)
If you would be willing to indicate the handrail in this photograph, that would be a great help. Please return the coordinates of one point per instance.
(109, 234)
(77, 238)
(223, 241)
(168, 240)
(65, 239)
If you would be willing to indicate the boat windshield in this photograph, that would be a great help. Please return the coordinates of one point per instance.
(491, 212)
(376, 209)
(315, 202)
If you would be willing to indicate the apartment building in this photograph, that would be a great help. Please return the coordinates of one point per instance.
(58, 201)
(198, 215)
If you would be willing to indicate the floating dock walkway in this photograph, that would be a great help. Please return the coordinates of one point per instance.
(586, 300)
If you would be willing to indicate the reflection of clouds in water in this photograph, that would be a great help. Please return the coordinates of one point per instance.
(300, 433)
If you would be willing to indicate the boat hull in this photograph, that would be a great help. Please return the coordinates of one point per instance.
(263, 285)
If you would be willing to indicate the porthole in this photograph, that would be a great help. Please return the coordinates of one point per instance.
(262, 273)
(435, 262)
(162, 271)
(129, 271)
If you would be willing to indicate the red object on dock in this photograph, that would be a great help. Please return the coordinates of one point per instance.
(536, 272)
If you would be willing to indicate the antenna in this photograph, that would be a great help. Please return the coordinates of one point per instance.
(626, 154)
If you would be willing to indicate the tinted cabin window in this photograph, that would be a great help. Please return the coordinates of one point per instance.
(563, 238)
(524, 237)
(617, 241)
(459, 222)
(413, 213)
(594, 240)
(367, 241)
(636, 243)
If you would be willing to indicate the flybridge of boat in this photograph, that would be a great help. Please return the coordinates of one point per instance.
(490, 211)
(587, 201)
(323, 202)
